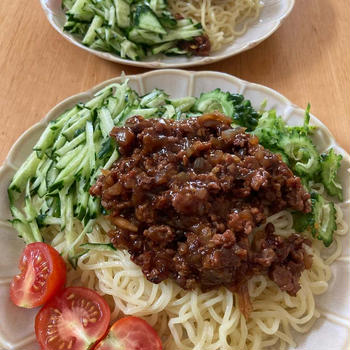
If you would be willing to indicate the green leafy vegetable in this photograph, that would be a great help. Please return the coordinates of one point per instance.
(293, 143)
(330, 164)
(270, 129)
(321, 222)
(232, 105)
(302, 154)
(297, 150)
(99, 246)
(132, 29)
(215, 100)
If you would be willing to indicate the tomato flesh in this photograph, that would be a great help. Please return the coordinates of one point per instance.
(73, 320)
(42, 275)
(130, 333)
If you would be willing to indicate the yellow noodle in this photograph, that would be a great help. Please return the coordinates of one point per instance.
(222, 20)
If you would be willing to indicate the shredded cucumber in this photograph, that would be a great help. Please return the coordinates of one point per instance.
(131, 29)
(99, 247)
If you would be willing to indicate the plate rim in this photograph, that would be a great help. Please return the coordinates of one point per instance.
(159, 64)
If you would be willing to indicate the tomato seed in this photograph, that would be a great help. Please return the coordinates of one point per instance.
(70, 296)
(52, 338)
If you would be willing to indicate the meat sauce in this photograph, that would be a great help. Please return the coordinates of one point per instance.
(185, 197)
(200, 45)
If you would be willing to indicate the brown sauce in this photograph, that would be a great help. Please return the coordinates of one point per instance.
(185, 197)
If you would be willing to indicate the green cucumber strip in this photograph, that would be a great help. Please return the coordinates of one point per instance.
(69, 233)
(26, 171)
(99, 247)
(82, 198)
(146, 19)
(154, 99)
(183, 33)
(91, 33)
(106, 121)
(59, 143)
(68, 4)
(183, 104)
(131, 50)
(66, 176)
(112, 18)
(53, 205)
(120, 95)
(89, 134)
(63, 207)
(68, 157)
(24, 230)
(81, 235)
(45, 141)
(17, 214)
(40, 174)
(105, 148)
(112, 159)
(97, 101)
(184, 22)
(43, 184)
(36, 232)
(158, 6)
(162, 47)
(94, 207)
(31, 214)
(122, 9)
(28, 208)
(71, 145)
(68, 116)
(169, 112)
(145, 112)
(51, 175)
(77, 127)
(47, 220)
(79, 11)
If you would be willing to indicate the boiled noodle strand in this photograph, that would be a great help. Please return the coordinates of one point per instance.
(195, 320)
(222, 20)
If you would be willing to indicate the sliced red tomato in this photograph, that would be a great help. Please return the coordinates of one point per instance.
(43, 274)
(130, 333)
(75, 319)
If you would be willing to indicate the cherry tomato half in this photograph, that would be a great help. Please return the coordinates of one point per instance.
(43, 274)
(73, 320)
(130, 333)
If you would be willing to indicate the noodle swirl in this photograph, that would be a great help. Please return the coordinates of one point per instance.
(222, 20)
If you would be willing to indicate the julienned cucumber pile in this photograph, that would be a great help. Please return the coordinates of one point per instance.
(51, 189)
(131, 29)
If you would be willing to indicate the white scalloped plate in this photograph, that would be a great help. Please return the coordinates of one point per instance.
(331, 331)
(271, 17)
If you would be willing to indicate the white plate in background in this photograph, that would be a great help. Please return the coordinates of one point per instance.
(271, 17)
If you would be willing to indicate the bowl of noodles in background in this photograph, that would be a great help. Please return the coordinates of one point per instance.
(317, 318)
(233, 26)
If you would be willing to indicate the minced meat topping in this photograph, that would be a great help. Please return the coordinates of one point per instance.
(185, 197)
